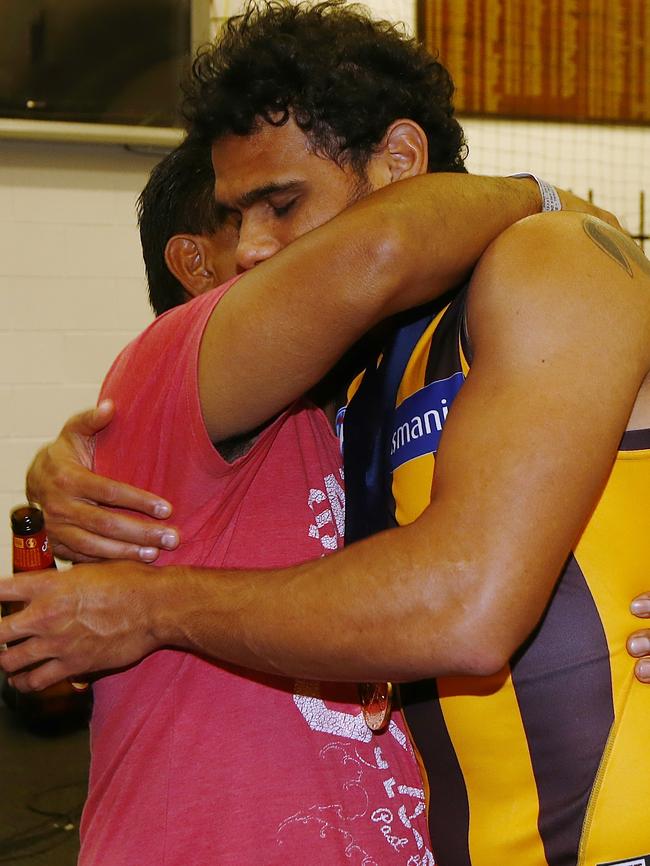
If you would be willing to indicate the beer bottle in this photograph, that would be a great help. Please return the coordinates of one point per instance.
(61, 706)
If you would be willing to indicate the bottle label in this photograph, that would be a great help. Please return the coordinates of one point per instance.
(32, 552)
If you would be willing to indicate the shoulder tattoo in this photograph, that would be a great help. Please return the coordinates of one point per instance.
(616, 245)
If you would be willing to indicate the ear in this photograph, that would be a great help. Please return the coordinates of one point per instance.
(403, 153)
(187, 257)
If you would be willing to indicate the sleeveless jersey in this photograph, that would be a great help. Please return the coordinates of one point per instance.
(547, 761)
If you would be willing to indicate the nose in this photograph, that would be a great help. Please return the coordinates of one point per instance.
(256, 244)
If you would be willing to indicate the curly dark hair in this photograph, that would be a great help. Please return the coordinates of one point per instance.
(343, 77)
(178, 197)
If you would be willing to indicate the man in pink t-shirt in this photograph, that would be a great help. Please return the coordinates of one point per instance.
(194, 762)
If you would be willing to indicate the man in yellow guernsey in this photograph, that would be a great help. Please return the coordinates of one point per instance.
(497, 449)
(475, 428)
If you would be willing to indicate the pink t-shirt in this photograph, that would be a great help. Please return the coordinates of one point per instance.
(199, 764)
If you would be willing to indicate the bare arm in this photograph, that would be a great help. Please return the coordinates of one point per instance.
(426, 599)
(511, 494)
(398, 248)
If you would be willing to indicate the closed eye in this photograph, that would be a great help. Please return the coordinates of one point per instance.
(282, 210)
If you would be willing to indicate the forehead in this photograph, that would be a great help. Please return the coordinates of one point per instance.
(270, 155)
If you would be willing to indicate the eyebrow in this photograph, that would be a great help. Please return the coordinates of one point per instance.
(248, 199)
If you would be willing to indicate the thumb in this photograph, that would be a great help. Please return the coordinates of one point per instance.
(92, 420)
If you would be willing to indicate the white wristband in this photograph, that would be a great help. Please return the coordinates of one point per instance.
(550, 198)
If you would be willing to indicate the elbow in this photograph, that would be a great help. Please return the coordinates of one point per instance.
(481, 658)
(470, 625)
(476, 644)
(489, 643)
(485, 647)
(468, 651)
(476, 658)
(461, 661)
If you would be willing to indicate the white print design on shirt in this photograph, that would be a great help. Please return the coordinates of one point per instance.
(398, 809)
(328, 507)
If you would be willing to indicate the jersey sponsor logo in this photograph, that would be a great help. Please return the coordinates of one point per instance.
(419, 420)
(641, 860)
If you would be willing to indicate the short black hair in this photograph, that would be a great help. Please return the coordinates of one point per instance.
(178, 198)
(343, 77)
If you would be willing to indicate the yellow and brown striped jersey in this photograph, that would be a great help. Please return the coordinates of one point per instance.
(548, 761)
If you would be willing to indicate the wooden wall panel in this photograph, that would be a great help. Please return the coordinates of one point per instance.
(563, 59)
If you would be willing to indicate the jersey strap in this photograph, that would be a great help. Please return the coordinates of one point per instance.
(366, 431)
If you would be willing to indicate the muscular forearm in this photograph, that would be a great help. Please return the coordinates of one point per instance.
(375, 610)
(382, 609)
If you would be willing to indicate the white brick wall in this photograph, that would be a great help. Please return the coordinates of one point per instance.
(72, 290)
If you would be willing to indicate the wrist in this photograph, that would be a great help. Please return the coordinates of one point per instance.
(548, 198)
(528, 192)
(168, 588)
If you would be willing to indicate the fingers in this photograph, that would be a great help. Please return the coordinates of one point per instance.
(81, 527)
(49, 673)
(104, 534)
(641, 605)
(573, 202)
(60, 551)
(73, 517)
(642, 671)
(74, 499)
(16, 589)
(73, 447)
(17, 658)
(31, 660)
(638, 643)
(89, 618)
(29, 649)
(104, 491)
(70, 481)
